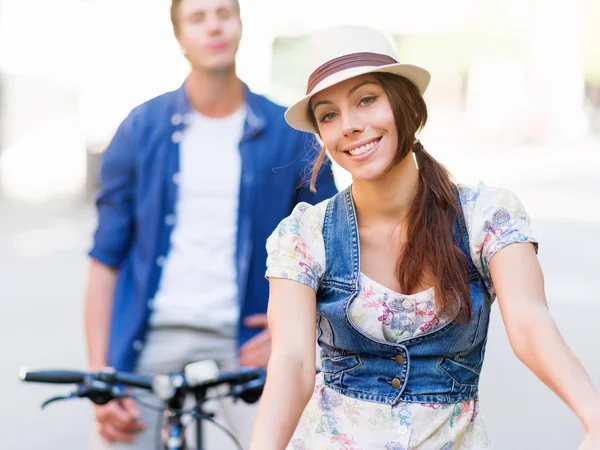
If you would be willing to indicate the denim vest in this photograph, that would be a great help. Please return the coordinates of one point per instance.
(441, 366)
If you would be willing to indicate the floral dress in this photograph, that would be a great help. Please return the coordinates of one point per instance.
(495, 218)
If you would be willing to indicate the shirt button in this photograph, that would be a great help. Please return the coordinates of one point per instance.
(395, 383)
(137, 345)
(176, 178)
(399, 359)
(176, 119)
(170, 220)
(177, 137)
(187, 119)
(160, 261)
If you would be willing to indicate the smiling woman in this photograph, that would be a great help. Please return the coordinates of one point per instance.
(398, 274)
(368, 123)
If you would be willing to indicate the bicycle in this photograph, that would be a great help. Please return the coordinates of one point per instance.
(196, 379)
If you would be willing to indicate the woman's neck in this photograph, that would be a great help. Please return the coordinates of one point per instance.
(388, 199)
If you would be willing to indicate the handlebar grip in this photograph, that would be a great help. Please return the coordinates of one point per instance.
(242, 376)
(134, 380)
(52, 376)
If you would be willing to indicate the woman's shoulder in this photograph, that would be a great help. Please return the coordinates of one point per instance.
(305, 223)
(482, 197)
(307, 214)
(295, 249)
(495, 218)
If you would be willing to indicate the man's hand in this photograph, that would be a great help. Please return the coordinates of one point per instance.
(256, 352)
(118, 420)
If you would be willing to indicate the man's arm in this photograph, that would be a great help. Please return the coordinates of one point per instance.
(257, 350)
(98, 309)
(112, 239)
(117, 420)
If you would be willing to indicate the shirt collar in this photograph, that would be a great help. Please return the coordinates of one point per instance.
(256, 117)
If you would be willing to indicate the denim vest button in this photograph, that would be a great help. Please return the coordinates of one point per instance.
(399, 359)
(395, 383)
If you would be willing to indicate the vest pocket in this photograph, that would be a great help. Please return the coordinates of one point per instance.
(333, 367)
(460, 373)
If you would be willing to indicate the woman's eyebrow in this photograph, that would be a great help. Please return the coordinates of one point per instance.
(359, 85)
(350, 92)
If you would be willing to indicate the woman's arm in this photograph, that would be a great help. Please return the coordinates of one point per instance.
(291, 370)
(534, 337)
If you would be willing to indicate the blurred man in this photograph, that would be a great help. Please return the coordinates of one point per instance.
(193, 183)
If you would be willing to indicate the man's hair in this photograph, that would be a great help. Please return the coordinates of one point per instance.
(175, 9)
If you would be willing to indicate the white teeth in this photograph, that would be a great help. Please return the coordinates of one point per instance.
(362, 149)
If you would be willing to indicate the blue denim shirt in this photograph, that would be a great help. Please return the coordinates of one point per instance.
(442, 366)
(136, 207)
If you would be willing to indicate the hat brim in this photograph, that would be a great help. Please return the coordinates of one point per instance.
(296, 115)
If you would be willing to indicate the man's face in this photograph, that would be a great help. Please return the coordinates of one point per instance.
(209, 31)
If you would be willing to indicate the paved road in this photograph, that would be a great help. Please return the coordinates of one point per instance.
(42, 270)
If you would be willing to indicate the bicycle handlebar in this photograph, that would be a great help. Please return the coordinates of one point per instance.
(197, 376)
(77, 377)
(106, 385)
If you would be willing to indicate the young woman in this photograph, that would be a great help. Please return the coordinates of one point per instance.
(396, 276)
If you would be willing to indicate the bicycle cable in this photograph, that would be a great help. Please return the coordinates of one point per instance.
(218, 425)
(192, 412)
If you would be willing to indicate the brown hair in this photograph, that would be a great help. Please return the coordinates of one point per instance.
(431, 248)
(175, 9)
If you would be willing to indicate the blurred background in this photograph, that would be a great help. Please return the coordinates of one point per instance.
(514, 101)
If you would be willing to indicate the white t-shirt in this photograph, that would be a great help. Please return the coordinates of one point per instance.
(198, 287)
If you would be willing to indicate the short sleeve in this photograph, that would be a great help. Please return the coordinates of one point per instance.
(495, 218)
(295, 250)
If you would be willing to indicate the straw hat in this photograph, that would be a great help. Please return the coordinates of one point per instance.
(343, 52)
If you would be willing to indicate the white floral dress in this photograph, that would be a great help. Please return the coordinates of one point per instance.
(495, 218)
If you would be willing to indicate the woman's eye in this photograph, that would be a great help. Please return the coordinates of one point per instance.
(328, 117)
(367, 101)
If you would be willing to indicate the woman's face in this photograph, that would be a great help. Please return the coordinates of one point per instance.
(357, 126)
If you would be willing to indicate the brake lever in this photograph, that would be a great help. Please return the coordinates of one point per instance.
(99, 392)
(249, 392)
(59, 397)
